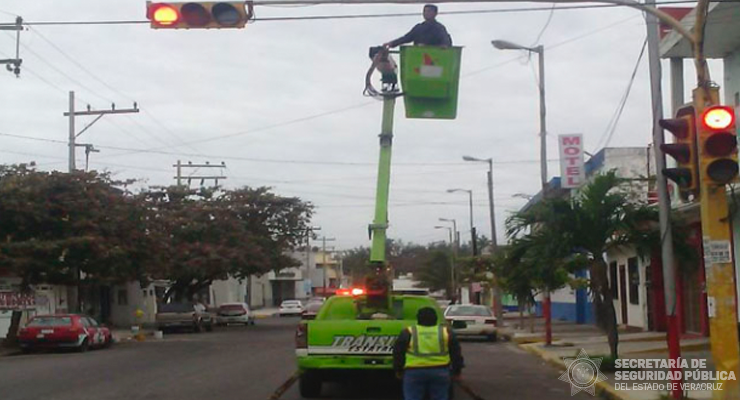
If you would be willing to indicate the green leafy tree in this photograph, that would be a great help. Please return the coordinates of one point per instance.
(435, 272)
(57, 227)
(604, 215)
(211, 234)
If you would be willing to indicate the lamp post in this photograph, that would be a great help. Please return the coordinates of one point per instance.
(451, 293)
(540, 50)
(497, 306)
(455, 245)
(472, 228)
(494, 243)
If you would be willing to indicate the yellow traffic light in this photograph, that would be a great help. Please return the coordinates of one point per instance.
(199, 15)
(683, 150)
(718, 143)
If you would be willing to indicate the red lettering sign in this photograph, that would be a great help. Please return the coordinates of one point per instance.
(16, 301)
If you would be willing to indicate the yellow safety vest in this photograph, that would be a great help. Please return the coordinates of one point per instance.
(428, 347)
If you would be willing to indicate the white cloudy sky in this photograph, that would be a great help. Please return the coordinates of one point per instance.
(281, 103)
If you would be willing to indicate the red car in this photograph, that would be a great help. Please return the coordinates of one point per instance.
(75, 331)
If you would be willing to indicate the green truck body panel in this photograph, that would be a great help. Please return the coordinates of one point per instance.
(430, 78)
(345, 336)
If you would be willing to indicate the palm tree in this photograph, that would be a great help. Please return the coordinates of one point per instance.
(602, 216)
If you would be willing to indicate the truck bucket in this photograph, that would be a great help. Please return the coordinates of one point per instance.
(430, 77)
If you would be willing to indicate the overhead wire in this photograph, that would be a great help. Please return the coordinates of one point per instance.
(612, 126)
(114, 90)
(544, 28)
(356, 16)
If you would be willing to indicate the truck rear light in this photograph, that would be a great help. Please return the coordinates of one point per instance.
(491, 322)
(301, 336)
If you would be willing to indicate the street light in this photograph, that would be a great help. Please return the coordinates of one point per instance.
(454, 226)
(472, 228)
(453, 290)
(497, 298)
(540, 50)
(494, 243)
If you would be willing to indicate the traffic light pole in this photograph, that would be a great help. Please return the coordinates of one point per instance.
(717, 236)
(664, 201)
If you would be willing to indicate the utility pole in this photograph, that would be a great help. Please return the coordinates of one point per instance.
(73, 135)
(323, 259)
(179, 166)
(14, 64)
(309, 233)
(664, 201)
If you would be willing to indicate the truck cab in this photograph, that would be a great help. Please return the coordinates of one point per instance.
(348, 337)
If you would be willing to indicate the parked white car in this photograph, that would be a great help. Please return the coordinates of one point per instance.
(472, 320)
(290, 307)
(234, 313)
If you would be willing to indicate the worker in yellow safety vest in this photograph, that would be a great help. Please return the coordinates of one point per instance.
(425, 356)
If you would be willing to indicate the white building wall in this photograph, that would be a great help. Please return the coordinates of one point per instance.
(231, 290)
(50, 299)
(732, 78)
(636, 313)
(128, 298)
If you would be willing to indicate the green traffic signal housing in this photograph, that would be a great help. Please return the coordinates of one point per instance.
(683, 150)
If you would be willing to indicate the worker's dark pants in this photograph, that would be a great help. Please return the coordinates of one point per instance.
(417, 382)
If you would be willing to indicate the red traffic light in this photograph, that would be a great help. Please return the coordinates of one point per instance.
(718, 118)
(163, 14)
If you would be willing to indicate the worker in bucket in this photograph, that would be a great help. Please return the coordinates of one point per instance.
(426, 355)
(429, 33)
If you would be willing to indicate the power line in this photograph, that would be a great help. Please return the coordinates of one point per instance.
(612, 127)
(113, 89)
(359, 16)
(544, 28)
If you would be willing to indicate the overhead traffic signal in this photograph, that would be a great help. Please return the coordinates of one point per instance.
(199, 15)
(718, 145)
(683, 150)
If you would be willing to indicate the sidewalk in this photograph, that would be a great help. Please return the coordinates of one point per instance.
(570, 338)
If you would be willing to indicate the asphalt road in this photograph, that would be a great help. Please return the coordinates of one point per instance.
(245, 363)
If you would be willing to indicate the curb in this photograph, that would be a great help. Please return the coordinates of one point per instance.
(264, 316)
(603, 389)
(686, 347)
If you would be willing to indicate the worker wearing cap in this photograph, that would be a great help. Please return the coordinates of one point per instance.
(429, 33)
(425, 356)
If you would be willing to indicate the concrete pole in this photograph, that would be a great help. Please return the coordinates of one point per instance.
(179, 173)
(498, 309)
(664, 202)
(72, 145)
(540, 50)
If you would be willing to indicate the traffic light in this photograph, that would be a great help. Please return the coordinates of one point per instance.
(198, 15)
(683, 150)
(718, 145)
